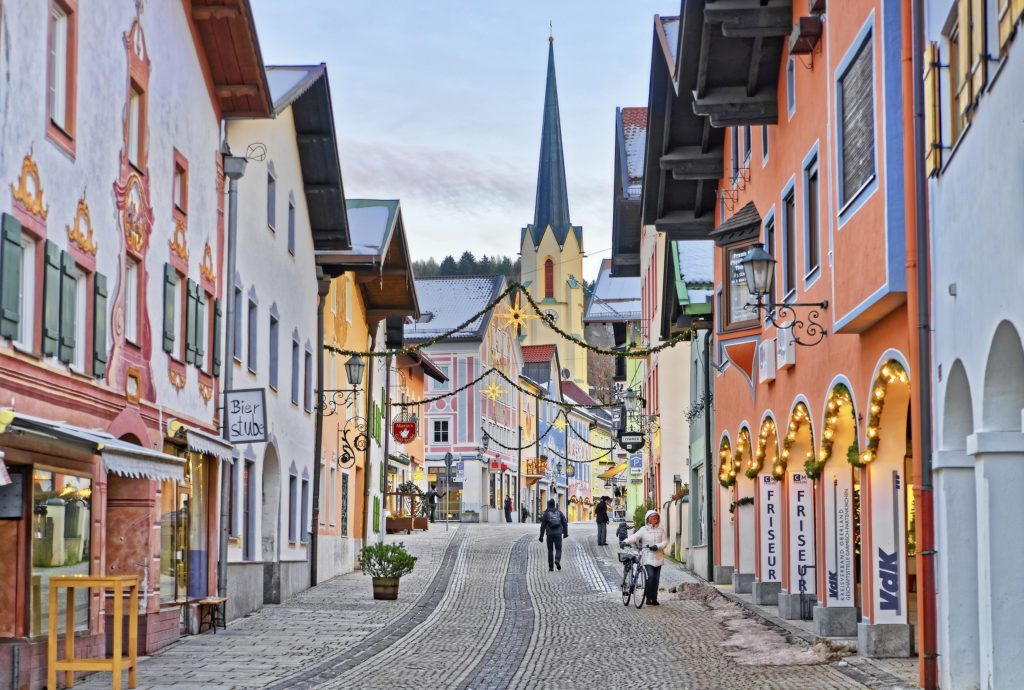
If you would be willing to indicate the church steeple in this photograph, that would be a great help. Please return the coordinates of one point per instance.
(552, 207)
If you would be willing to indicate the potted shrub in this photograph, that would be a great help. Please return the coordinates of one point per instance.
(385, 564)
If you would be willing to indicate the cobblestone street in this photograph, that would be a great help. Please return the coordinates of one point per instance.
(481, 610)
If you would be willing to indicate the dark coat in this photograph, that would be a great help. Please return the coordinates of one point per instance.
(547, 525)
(601, 512)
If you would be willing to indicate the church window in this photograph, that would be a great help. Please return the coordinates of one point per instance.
(549, 279)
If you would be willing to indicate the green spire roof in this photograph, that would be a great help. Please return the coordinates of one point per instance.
(552, 207)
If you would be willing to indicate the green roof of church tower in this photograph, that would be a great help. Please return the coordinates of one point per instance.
(552, 206)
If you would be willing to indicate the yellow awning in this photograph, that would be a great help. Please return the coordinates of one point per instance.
(613, 472)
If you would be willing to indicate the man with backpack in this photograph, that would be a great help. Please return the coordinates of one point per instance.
(554, 524)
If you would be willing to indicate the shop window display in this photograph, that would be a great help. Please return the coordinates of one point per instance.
(61, 512)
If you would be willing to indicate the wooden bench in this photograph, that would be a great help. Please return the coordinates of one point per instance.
(212, 613)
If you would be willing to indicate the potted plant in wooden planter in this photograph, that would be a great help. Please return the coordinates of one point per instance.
(386, 563)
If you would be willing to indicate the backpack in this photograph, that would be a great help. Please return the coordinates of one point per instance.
(552, 520)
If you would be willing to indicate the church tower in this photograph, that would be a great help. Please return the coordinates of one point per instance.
(552, 247)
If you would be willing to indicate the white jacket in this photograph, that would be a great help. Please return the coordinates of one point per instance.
(648, 535)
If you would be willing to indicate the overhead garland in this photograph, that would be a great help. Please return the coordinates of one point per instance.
(607, 452)
(515, 315)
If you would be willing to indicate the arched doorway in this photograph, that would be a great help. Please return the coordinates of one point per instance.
(837, 484)
(744, 521)
(271, 527)
(725, 554)
(798, 519)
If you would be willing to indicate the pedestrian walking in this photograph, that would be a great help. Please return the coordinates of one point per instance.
(623, 531)
(601, 513)
(653, 536)
(432, 497)
(555, 526)
(508, 509)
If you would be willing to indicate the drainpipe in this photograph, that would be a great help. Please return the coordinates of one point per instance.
(386, 431)
(926, 615)
(367, 464)
(234, 168)
(709, 476)
(323, 286)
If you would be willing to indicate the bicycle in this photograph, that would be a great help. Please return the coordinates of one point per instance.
(634, 577)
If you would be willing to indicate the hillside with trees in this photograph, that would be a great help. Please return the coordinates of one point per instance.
(467, 265)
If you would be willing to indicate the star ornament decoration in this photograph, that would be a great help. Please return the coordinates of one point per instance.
(493, 391)
(560, 423)
(515, 314)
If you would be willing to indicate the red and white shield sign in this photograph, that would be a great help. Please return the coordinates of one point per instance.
(403, 432)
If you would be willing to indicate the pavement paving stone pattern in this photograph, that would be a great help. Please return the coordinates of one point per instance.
(481, 611)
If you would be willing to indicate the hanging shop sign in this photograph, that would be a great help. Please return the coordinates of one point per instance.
(618, 413)
(631, 441)
(403, 432)
(246, 415)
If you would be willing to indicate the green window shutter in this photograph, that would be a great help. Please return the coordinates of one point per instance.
(376, 513)
(170, 282)
(68, 288)
(218, 313)
(10, 277)
(99, 326)
(383, 486)
(200, 336)
(190, 321)
(51, 298)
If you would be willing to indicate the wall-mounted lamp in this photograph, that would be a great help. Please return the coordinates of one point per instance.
(759, 269)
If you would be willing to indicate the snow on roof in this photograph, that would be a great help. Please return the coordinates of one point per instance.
(288, 82)
(696, 261)
(614, 299)
(634, 132)
(369, 222)
(446, 302)
(671, 27)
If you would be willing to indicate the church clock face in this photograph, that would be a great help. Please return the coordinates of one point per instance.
(551, 316)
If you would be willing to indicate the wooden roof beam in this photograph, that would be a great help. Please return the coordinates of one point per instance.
(690, 163)
(684, 225)
(204, 12)
(234, 90)
(751, 18)
(729, 106)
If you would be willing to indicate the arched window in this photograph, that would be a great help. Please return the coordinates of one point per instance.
(549, 279)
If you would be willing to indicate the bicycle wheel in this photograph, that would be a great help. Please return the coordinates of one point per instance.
(626, 591)
(639, 585)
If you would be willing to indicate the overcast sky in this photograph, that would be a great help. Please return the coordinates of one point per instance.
(439, 104)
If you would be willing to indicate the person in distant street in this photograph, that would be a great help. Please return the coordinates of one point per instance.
(652, 536)
(508, 509)
(601, 515)
(623, 531)
(554, 524)
(432, 497)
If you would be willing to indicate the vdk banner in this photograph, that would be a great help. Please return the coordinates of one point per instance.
(838, 527)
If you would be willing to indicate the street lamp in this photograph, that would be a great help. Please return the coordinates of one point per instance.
(352, 436)
(633, 402)
(354, 370)
(758, 270)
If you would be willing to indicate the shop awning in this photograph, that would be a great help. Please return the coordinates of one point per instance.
(119, 457)
(613, 472)
(400, 459)
(199, 441)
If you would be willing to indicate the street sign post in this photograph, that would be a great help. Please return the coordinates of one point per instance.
(447, 482)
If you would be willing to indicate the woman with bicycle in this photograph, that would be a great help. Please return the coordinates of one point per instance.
(653, 539)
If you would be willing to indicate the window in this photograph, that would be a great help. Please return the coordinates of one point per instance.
(293, 500)
(271, 200)
(295, 372)
(60, 92)
(436, 385)
(857, 124)
(248, 526)
(746, 145)
(812, 240)
(273, 334)
(17, 284)
(739, 312)
(197, 309)
(330, 497)
(253, 333)
(180, 188)
(734, 153)
(136, 128)
(131, 300)
(344, 504)
(791, 86)
(237, 347)
(308, 390)
(959, 74)
(61, 533)
(549, 279)
(81, 320)
(291, 228)
(788, 245)
(440, 431)
(769, 246)
(764, 143)
(229, 480)
(303, 530)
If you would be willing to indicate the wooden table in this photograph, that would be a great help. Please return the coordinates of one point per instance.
(115, 664)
